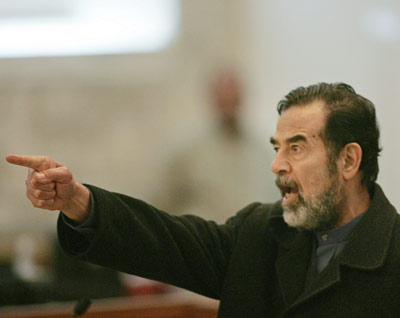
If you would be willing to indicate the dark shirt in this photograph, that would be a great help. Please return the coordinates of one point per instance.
(331, 243)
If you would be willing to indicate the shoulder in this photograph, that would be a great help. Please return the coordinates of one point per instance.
(257, 212)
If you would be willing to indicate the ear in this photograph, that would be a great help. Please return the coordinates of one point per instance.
(350, 159)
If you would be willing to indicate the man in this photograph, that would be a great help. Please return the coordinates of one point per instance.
(222, 169)
(330, 248)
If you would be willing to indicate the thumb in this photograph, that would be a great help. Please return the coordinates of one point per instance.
(60, 175)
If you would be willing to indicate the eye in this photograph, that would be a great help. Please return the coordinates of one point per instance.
(295, 148)
(276, 149)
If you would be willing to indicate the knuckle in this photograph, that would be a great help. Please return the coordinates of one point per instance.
(35, 178)
(34, 182)
(34, 201)
(37, 194)
(40, 203)
(44, 204)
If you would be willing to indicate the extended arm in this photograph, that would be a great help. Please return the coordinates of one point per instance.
(130, 235)
(135, 237)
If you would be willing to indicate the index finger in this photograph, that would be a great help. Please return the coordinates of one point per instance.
(38, 163)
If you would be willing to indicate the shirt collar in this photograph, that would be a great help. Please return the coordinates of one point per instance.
(337, 235)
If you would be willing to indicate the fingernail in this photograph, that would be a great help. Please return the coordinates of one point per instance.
(41, 176)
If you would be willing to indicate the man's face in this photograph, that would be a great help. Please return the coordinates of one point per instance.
(307, 177)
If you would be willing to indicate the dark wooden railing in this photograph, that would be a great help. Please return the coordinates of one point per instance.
(175, 305)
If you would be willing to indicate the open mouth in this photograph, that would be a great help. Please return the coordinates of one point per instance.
(289, 195)
(289, 191)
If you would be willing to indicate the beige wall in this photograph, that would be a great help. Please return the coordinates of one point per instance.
(116, 116)
(113, 119)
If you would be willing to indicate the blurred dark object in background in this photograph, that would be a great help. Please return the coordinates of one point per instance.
(68, 280)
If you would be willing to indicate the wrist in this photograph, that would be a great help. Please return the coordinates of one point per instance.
(79, 207)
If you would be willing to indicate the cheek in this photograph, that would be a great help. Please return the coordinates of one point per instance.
(313, 180)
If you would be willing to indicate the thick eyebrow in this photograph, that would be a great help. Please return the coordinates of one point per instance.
(295, 138)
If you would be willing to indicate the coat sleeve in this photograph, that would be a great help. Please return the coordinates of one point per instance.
(134, 237)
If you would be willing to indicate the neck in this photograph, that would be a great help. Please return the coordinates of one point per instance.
(357, 200)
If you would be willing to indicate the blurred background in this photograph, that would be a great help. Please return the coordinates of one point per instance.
(172, 102)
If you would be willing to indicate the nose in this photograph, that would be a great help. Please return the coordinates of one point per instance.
(280, 164)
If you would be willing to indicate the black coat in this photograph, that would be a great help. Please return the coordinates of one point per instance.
(255, 264)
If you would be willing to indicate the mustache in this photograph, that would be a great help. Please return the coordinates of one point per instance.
(284, 182)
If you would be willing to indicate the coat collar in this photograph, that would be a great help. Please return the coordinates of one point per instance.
(366, 249)
(368, 244)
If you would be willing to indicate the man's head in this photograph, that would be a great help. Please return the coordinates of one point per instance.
(227, 94)
(327, 135)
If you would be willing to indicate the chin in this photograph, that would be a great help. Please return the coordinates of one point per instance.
(303, 218)
(296, 218)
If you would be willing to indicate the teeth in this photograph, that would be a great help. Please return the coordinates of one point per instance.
(290, 194)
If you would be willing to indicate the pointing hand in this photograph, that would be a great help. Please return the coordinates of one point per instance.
(51, 186)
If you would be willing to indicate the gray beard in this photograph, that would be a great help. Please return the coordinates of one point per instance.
(320, 213)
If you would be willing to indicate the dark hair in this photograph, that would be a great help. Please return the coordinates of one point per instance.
(351, 118)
